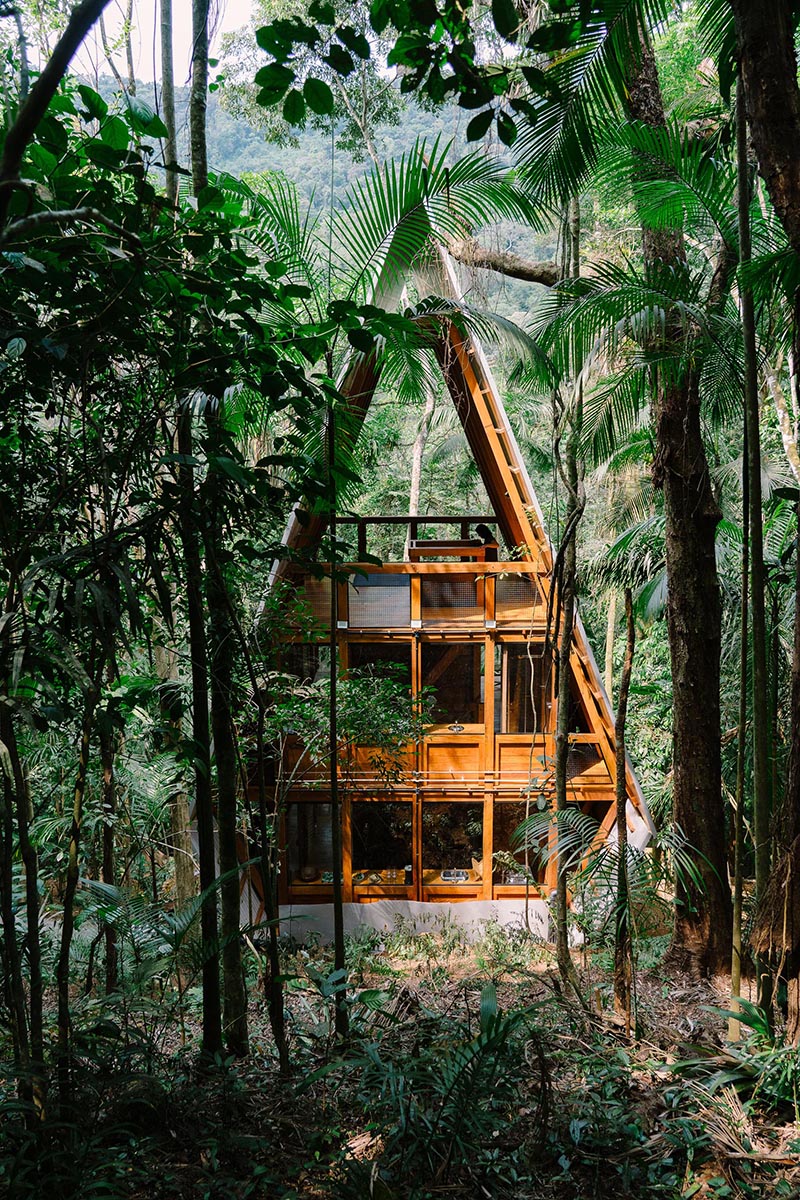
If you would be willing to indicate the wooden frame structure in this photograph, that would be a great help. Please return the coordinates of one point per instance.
(474, 629)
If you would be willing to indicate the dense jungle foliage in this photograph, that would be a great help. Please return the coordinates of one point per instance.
(189, 279)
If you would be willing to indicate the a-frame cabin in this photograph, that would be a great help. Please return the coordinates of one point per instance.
(465, 615)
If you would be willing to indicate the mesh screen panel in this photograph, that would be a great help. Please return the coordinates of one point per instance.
(316, 594)
(442, 593)
(582, 756)
(516, 596)
(382, 604)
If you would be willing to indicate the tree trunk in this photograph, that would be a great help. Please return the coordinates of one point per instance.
(567, 592)
(341, 1019)
(222, 654)
(792, 801)
(417, 456)
(268, 833)
(24, 815)
(623, 949)
(761, 772)
(68, 917)
(703, 916)
(765, 32)
(734, 1029)
(168, 104)
(180, 836)
(567, 586)
(109, 801)
(212, 1017)
(611, 625)
(10, 959)
(24, 65)
(198, 96)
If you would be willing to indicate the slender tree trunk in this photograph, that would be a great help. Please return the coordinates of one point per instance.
(24, 816)
(168, 103)
(222, 648)
(417, 456)
(198, 96)
(212, 1017)
(24, 65)
(761, 774)
(611, 625)
(623, 948)
(129, 48)
(702, 936)
(68, 919)
(792, 806)
(567, 584)
(112, 66)
(734, 1029)
(10, 959)
(341, 1015)
(108, 740)
(171, 711)
(273, 983)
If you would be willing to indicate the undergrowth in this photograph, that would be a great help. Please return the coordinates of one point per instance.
(466, 1074)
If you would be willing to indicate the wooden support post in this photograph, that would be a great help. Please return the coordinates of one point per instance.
(347, 848)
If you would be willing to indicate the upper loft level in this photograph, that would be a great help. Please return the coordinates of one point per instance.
(445, 573)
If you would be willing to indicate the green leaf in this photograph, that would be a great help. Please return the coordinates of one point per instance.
(322, 13)
(274, 81)
(16, 347)
(379, 15)
(339, 60)
(104, 156)
(506, 129)
(115, 134)
(361, 339)
(294, 108)
(354, 41)
(479, 125)
(506, 19)
(96, 106)
(211, 197)
(318, 96)
(143, 119)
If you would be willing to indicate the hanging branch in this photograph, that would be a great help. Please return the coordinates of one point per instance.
(81, 20)
(623, 949)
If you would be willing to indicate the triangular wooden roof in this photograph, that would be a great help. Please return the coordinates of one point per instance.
(494, 447)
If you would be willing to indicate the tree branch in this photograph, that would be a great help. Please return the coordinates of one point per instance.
(471, 253)
(81, 20)
(28, 225)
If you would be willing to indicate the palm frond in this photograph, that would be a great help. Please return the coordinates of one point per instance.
(673, 179)
(389, 219)
(561, 144)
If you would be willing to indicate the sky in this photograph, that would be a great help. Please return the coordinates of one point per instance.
(226, 15)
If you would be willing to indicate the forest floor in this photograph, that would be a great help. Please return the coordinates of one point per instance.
(469, 1073)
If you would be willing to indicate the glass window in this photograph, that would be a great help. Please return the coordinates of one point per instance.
(309, 846)
(452, 836)
(578, 721)
(455, 672)
(377, 656)
(508, 816)
(308, 661)
(382, 835)
(526, 688)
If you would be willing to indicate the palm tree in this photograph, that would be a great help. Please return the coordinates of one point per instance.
(666, 321)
